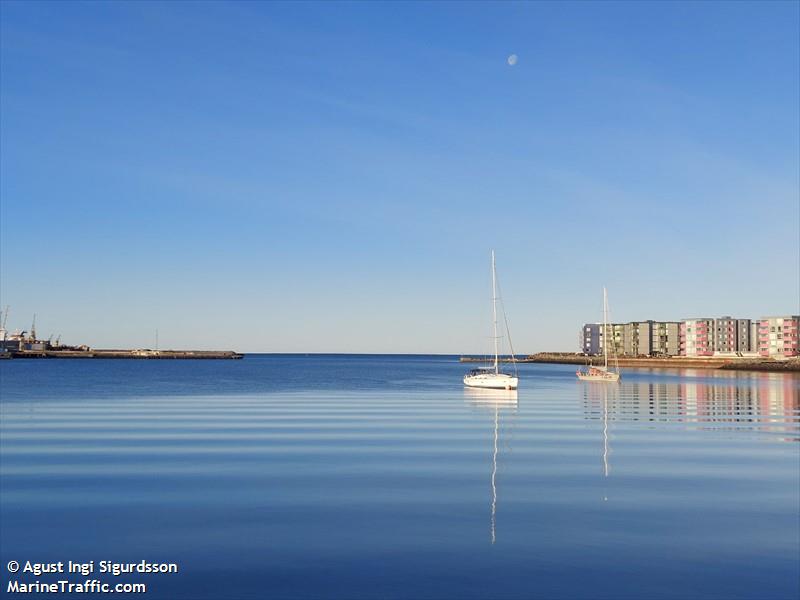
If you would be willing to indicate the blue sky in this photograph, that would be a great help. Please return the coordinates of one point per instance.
(330, 177)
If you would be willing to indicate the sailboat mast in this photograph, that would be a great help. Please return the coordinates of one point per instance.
(605, 327)
(494, 315)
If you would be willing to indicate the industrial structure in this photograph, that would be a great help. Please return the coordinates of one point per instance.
(23, 340)
(26, 344)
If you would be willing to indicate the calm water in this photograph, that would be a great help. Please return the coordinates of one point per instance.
(371, 476)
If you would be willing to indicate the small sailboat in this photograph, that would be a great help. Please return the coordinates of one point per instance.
(492, 377)
(603, 373)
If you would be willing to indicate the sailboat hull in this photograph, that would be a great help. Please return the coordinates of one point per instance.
(492, 381)
(604, 377)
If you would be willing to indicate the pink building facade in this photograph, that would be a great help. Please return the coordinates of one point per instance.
(697, 337)
(778, 336)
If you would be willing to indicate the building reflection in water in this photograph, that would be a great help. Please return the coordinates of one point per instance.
(496, 401)
(766, 402)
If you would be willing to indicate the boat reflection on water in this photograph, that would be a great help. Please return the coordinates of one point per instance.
(606, 468)
(599, 398)
(495, 401)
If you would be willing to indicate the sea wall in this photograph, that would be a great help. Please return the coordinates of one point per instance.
(135, 354)
(672, 362)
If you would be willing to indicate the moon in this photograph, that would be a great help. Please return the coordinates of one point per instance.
(512, 60)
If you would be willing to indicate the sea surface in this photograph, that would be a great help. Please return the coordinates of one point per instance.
(341, 476)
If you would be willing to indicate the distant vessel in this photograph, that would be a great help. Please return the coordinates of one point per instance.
(602, 373)
(492, 378)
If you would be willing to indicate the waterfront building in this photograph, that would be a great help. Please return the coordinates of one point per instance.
(590, 339)
(593, 338)
(637, 338)
(754, 325)
(724, 338)
(770, 337)
(665, 338)
(651, 338)
(744, 341)
(723, 335)
(778, 336)
(697, 337)
(616, 339)
(731, 335)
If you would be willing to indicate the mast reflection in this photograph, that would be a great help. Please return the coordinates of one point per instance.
(605, 432)
(598, 395)
(495, 400)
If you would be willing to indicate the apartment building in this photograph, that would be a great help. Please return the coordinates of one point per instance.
(745, 342)
(731, 335)
(637, 338)
(616, 339)
(665, 338)
(590, 338)
(651, 338)
(724, 335)
(594, 338)
(778, 336)
(697, 337)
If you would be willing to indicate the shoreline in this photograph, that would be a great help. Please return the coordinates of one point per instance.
(674, 362)
(126, 354)
(718, 362)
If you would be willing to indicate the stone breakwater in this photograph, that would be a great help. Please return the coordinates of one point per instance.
(135, 354)
(673, 362)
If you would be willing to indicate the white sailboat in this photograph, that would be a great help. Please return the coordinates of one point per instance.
(492, 378)
(602, 373)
